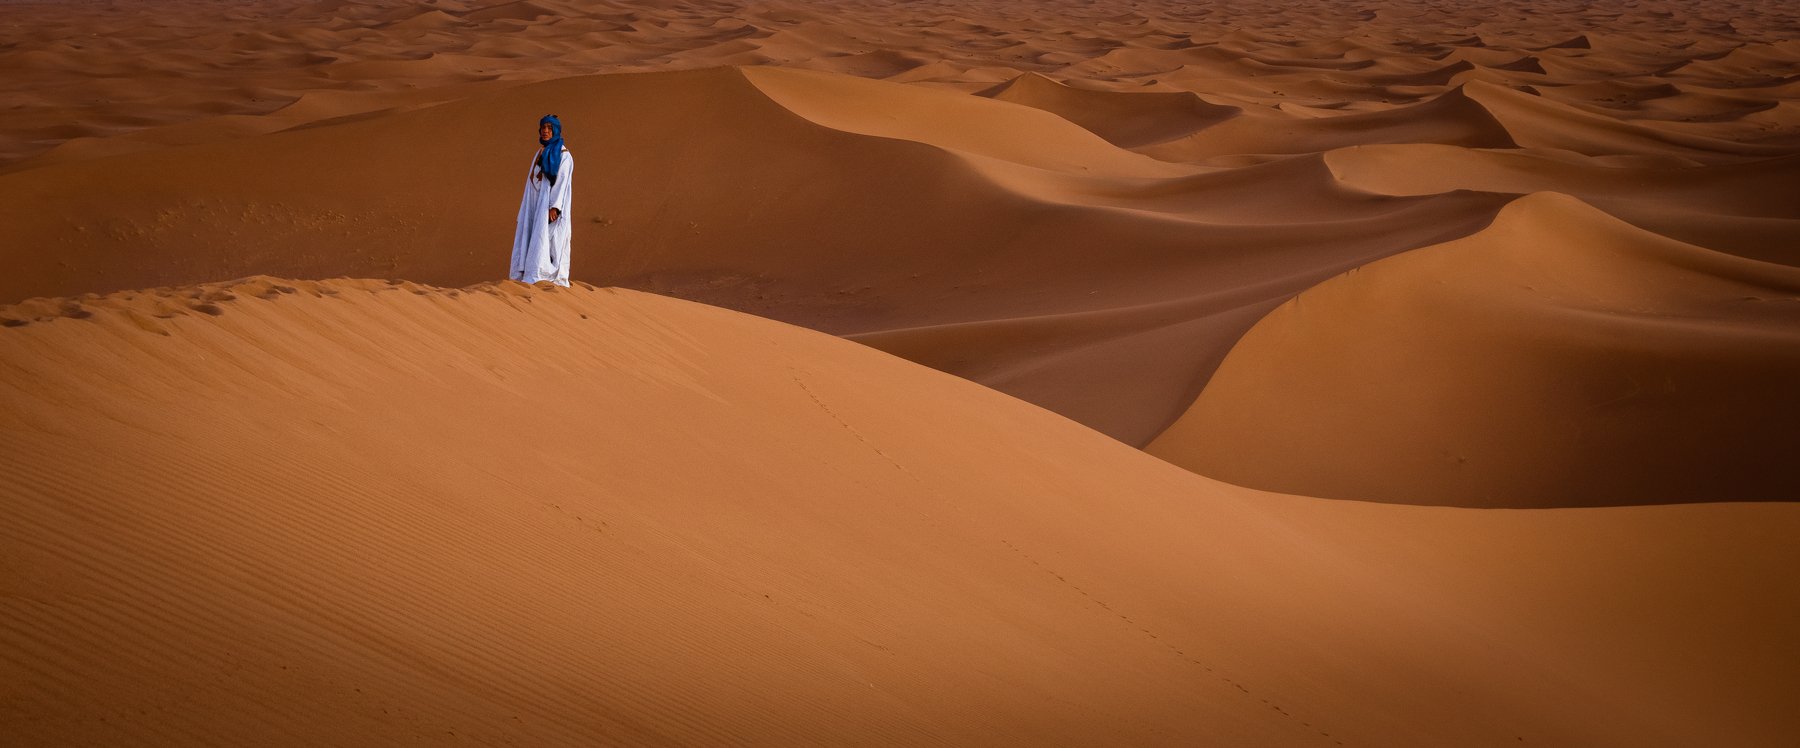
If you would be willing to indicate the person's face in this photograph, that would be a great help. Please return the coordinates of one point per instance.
(544, 133)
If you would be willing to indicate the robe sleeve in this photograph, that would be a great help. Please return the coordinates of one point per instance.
(564, 193)
(565, 181)
(522, 230)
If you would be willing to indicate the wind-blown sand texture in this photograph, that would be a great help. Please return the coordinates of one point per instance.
(1534, 265)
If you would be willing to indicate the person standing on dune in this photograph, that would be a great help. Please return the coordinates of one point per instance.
(541, 241)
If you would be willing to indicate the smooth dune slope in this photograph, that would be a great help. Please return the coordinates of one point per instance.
(1559, 357)
(944, 226)
(304, 513)
(1082, 205)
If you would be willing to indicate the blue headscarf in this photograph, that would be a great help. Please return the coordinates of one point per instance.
(551, 159)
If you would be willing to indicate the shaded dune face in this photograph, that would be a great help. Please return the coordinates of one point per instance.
(337, 512)
(1558, 357)
(1083, 208)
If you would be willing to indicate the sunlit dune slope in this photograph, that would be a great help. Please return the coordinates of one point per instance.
(304, 513)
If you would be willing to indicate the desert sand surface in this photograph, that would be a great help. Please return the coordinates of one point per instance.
(339, 512)
(1085, 373)
(1674, 370)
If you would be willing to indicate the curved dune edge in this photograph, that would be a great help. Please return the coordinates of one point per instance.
(851, 206)
(1744, 208)
(353, 511)
(1125, 119)
(1678, 72)
(1000, 130)
(1122, 197)
(1757, 188)
(1451, 118)
(1560, 357)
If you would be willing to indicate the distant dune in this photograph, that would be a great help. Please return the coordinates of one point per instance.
(1318, 373)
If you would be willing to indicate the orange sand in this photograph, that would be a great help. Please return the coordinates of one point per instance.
(1535, 264)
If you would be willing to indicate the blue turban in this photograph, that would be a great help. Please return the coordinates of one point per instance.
(551, 159)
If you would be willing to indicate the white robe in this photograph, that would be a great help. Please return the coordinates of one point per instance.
(541, 248)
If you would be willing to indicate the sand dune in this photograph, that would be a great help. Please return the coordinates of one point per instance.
(1744, 209)
(1092, 232)
(1453, 118)
(1145, 184)
(1015, 227)
(1538, 256)
(254, 59)
(1123, 119)
(1587, 362)
(345, 511)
